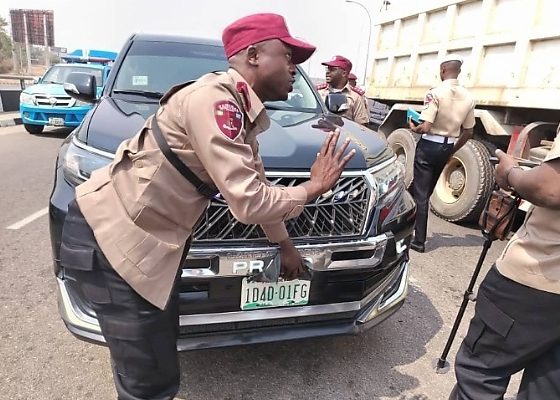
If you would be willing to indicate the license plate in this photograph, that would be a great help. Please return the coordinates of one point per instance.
(54, 121)
(255, 295)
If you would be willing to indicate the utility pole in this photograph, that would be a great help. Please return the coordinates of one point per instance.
(27, 47)
(47, 49)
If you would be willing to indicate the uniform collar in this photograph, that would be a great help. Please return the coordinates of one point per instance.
(346, 88)
(251, 103)
(451, 82)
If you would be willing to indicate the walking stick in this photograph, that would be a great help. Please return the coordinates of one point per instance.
(442, 365)
(496, 222)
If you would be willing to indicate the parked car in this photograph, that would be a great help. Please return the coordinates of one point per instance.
(355, 237)
(46, 104)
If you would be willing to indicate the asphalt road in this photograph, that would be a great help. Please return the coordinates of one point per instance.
(42, 360)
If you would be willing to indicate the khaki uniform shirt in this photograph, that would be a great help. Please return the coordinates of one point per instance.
(532, 256)
(449, 107)
(357, 103)
(142, 210)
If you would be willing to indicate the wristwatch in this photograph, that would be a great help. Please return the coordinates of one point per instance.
(507, 175)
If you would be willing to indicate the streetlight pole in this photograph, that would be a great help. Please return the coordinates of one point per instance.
(369, 35)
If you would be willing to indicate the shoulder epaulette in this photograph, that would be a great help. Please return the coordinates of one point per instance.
(321, 86)
(358, 90)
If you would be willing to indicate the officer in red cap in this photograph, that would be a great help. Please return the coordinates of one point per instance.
(137, 224)
(337, 81)
(352, 79)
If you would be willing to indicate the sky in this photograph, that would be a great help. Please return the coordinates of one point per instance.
(333, 26)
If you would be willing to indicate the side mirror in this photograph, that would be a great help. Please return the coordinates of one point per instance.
(81, 86)
(36, 80)
(336, 103)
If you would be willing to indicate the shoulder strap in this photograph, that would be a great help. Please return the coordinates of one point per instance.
(201, 187)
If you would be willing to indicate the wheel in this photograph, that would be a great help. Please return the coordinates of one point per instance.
(464, 185)
(403, 143)
(33, 129)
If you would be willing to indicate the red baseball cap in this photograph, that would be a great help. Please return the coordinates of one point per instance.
(340, 62)
(260, 27)
(352, 76)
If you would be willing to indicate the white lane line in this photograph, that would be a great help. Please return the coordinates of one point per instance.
(27, 220)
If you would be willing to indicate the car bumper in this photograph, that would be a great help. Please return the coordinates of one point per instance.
(33, 115)
(268, 325)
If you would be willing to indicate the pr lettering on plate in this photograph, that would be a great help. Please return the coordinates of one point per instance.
(229, 118)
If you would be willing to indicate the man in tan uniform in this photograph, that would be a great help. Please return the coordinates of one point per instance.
(516, 325)
(448, 122)
(337, 73)
(352, 79)
(127, 233)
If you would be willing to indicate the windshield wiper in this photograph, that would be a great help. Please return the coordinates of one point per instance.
(145, 93)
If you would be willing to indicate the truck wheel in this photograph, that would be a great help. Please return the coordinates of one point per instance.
(33, 129)
(464, 184)
(403, 143)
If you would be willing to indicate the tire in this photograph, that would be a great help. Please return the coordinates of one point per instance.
(33, 129)
(464, 185)
(403, 143)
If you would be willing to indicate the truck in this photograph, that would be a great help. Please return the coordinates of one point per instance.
(508, 47)
(354, 238)
(46, 104)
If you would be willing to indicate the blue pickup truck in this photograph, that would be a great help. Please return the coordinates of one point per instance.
(46, 103)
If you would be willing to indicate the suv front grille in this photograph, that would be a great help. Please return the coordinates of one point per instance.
(341, 212)
(54, 101)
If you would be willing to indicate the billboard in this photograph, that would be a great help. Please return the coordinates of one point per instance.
(39, 25)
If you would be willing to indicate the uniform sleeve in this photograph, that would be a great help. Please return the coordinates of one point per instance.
(274, 232)
(469, 121)
(554, 153)
(431, 106)
(219, 142)
(360, 111)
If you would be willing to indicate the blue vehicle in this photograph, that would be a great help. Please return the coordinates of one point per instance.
(46, 103)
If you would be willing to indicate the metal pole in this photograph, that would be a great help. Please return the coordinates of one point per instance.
(369, 36)
(27, 47)
(45, 40)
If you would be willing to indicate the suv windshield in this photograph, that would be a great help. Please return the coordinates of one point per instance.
(150, 70)
(59, 73)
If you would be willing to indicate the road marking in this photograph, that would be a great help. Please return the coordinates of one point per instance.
(27, 220)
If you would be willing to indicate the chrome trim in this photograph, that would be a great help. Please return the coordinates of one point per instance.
(318, 255)
(382, 305)
(84, 325)
(289, 312)
(91, 149)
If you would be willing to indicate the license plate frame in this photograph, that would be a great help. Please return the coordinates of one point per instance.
(56, 121)
(259, 295)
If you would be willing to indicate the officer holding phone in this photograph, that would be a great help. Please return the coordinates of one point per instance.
(446, 123)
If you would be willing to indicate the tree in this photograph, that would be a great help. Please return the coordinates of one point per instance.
(5, 47)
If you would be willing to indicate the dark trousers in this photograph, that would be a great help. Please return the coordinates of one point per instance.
(429, 161)
(515, 327)
(142, 339)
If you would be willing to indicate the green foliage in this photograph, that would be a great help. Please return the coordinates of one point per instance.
(5, 47)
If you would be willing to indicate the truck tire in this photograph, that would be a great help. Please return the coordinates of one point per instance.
(33, 129)
(464, 185)
(403, 143)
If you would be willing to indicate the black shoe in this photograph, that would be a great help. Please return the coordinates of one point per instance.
(417, 246)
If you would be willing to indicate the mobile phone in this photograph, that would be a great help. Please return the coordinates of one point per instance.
(522, 162)
(414, 116)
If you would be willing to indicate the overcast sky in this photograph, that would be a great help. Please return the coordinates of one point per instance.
(334, 26)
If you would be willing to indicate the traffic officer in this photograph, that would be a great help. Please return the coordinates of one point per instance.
(516, 325)
(352, 79)
(448, 122)
(337, 73)
(128, 231)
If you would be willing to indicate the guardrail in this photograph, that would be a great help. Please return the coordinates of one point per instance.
(21, 78)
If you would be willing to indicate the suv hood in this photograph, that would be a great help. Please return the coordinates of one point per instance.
(291, 142)
(55, 89)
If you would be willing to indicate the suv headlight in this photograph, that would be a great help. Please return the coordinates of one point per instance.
(78, 163)
(26, 98)
(386, 181)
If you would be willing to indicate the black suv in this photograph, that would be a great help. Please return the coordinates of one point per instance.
(354, 237)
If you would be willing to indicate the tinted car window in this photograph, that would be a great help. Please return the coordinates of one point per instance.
(156, 68)
(59, 74)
